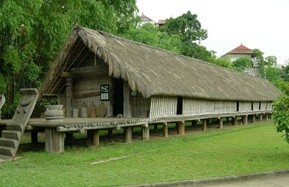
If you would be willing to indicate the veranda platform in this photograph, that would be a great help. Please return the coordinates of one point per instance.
(55, 130)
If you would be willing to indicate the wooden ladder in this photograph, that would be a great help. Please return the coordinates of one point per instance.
(10, 140)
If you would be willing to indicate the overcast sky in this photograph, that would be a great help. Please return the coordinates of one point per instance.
(261, 24)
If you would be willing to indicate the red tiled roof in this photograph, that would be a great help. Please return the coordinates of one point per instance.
(241, 49)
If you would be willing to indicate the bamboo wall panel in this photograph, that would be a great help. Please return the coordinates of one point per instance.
(256, 106)
(140, 106)
(163, 106)
(245, 106)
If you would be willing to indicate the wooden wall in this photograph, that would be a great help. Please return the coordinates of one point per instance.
(140, 106)
(163, 106)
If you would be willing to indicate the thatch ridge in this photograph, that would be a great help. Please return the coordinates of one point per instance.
(154, 71)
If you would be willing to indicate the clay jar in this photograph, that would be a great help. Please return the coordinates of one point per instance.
(54, 112)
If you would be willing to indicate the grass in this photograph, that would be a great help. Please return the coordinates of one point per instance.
(230, 151)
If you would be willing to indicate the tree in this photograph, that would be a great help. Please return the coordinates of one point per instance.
(242, 63)
(32, 32)
(280, 115)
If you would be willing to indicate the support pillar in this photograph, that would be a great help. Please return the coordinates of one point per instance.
(146, 132)
(54, 141)
(34, 137)
(245, 120)
(235, 120)
(126, 101)
(68, 97)
(261, 117)
(221, 124)
(95, 137)
(205, 122)
(165, 129)
(254, 118)
(128, 134)
(181, 128)
(267, 116)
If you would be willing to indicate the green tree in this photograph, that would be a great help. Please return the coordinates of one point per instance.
(242, 63)
(280, 115)
(32, 32)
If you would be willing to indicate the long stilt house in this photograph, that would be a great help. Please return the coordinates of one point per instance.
(135, 80)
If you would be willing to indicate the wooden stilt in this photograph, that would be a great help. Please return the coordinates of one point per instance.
(146, 132)
(254, 118)
(95, 137)
(267, 116)
(221, 124)
(235, 120)
(245, 120)
(128, 134)
(34, 137)
(165, 129)
(54, 141)
(181, 128)
(205, 124)
(261, 117)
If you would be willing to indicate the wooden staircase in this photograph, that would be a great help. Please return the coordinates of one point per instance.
(10, 140)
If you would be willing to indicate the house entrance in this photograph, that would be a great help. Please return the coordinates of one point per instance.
(118, 97)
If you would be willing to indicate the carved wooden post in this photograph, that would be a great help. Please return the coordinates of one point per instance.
(221, 126)
(128, 134)
(54, 141)
(205, 121)
(245, 120)
(165, 129)
(68, 97)
(146, 132)
(181, 128)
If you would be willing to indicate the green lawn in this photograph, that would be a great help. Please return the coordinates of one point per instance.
(230, 151)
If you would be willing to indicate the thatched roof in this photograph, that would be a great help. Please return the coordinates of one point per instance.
(152, 71)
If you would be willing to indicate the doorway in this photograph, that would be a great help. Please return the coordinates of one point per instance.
(117, 97)
(179, 106)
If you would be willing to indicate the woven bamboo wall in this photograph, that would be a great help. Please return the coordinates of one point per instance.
(163, 106)
(245, 106)
(140, 106)
(194, 106)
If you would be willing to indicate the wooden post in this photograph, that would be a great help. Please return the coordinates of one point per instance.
(68, 96)
(95, 137)
(254, 118)
(128, 134)
(165, 129)
(267, 117)
(145, 132)
(261, 117)
(54, 141)
(205, 121)
(126, 101)
(235, 120)
(221, 125)
(245, 120)
(34, 137)
(181, 128)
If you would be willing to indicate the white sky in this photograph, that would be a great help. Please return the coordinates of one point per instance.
(261, 24)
